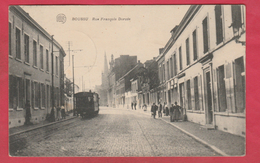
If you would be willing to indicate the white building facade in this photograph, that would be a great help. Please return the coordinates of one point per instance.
(205, 66)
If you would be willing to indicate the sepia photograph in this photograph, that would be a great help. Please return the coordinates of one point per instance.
(127, 80)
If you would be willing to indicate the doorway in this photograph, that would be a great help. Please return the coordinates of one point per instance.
(208, 97)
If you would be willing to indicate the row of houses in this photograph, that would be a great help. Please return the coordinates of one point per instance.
(202, 67)
(36, 70)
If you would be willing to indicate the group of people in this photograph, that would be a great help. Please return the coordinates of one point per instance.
(57, 113)
(175, 111)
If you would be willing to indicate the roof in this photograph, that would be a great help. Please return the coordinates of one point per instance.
(178, 29)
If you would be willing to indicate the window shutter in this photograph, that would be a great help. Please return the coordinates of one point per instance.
(229, 81)
(200, 92)
(192, 94)
(215, 91)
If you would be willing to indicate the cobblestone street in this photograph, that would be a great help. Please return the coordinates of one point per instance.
(114, 132)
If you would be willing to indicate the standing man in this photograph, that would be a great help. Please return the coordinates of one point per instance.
(160, 110)
(154, 109)
(172, 113)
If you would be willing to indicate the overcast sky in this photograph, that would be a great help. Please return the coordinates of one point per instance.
(145, 30)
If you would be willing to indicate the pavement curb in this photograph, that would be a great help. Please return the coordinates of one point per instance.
(48, 124)
(196, 138)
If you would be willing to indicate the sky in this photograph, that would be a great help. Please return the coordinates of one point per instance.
(95, 30)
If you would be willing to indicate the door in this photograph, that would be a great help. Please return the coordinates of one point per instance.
(208, 97)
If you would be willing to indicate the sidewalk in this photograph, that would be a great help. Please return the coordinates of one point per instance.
(223, 143)
(25, 128)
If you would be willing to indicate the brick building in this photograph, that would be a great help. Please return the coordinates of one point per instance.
(31, 65)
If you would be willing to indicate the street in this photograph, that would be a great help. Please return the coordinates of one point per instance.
(114, 132)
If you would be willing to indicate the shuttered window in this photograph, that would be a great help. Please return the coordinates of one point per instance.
(194, 38)
(26, 48)
(196, 94)
(219, 26)
(188, 90)
(180, 58)
(239, 84)
(18, 43)
(187, 51)
(205, 35)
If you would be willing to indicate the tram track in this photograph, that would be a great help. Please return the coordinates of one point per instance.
(19, 141)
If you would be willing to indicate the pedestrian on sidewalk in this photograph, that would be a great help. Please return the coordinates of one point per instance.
(58, 113)
(176, 112)
(27, 113)
(153, 110)
(172, 113)
(166, 109)
(160, 110)
(63, 114)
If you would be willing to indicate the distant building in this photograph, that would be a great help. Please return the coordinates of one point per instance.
(30, 69)
(149, 84)
(118, 68)
(124, 84)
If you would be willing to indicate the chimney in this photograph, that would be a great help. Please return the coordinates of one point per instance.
(161, 50)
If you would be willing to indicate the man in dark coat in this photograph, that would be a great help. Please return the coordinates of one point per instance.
(160, 110)
(171, 113)
(154, 108)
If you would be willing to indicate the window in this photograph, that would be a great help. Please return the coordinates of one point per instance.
(48, 96)
(196, 94)
(56, 59)
(26, 48)
(10, 38)
(33, 94)
(12, 92)
(188, 94)
(16, 92)
(43, 95)
(37, 94)
(175, 64)
(20, 92)
(163, 69)
(34, 53)
(180, 58)
(168, 70)
(236, 18)
(188, 51)
(41, 57)
(18, 43)
(239, 85)
(194, 37)
(205, 35)
(219, 27)
(182, 94)
(47, 60)
(171, 62)
(221, 89)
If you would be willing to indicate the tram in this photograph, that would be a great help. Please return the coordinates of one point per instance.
(87, 103)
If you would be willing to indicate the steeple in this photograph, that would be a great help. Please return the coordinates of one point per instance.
(105, 65)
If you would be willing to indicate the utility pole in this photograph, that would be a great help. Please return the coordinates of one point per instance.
(52, 81)
(69, 44)
(74, 109)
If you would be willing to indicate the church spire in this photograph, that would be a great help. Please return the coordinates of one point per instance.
(105, 65)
